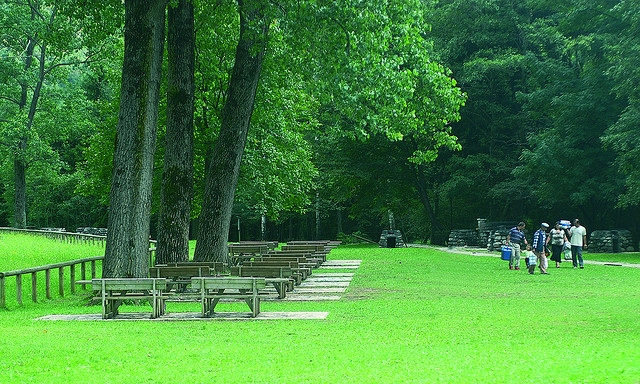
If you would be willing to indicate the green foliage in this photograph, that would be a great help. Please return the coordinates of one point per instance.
(44, 114)
(277, 170)
(624, 60)
(355, 102)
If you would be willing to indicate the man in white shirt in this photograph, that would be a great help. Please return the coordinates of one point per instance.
(578, 240)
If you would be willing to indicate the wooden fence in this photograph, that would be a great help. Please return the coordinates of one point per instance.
(69, 237)
(71, 265)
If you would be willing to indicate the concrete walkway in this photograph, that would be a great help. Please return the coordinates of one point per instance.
(192, 316)
(484, 252)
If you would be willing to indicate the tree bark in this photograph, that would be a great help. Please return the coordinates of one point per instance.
(423, 192)
(20, 163)
(222, 172)
(127, 248)
(317, 227)
(177, 177)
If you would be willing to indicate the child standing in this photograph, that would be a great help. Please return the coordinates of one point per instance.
(531, 259)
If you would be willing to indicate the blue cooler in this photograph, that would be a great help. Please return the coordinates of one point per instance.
(506, 252)
(566, 224)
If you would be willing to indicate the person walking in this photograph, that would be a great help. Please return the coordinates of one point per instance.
(515, 239)
(578, 242)
(540, 240)
(531, 259)
(558, 237)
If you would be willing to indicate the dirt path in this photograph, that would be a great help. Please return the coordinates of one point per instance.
(484, 252)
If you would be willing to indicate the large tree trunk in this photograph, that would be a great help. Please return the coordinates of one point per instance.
(20, 163)
(423, 192)
(222, 172)
(177, 177)
(127, 248)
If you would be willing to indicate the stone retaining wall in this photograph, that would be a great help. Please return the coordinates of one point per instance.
(497, 239)
(611, 241)
(463, 238)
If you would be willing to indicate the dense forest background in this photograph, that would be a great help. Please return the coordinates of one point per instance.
(440, 112)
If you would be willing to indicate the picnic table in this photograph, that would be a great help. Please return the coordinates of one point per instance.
(213, 289)
(280, 277)
(113, 291)
(243, 252)
(180, 275)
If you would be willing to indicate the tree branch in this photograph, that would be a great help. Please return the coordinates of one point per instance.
(346, 33)
(10, 99)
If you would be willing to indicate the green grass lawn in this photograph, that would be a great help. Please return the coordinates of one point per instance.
(409, 316)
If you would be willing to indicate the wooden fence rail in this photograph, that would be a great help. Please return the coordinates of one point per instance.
(47, 273)
(64, 236)
(69, 237)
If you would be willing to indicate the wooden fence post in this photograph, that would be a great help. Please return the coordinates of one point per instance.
(47, 283)
(3, 303)
(19, 289)
(47, 270)
(73, 278)
(83, 273)
(34, 287)
(61, 281)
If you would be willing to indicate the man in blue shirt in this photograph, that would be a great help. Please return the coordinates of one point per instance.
(540, 240)
(516, 239)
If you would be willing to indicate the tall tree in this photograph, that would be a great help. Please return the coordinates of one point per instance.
(624, 56)
(177, 178)
(127, 247)
(380, 79)
(40, 42)
(222, 172)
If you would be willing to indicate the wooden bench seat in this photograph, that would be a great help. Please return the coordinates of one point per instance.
(212, 289)
(317, 258)
(269, 244)
(304, 261)
(239, 252)
(281, 278)
(294, 265)
(180, 275)
(113, 291)
(316, 250)
(327, 243)
(214, 266)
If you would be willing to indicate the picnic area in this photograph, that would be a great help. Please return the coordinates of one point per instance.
(413, 315)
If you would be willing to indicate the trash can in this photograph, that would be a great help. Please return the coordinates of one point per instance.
(391, 241)
(506, 253)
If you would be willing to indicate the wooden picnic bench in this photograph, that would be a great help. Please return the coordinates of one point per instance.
(316, 250)
(302, 272)
(214, 266)
(240, 252)
(303, 262)
(180, 275)
(270, 244)
(310, 257)
(212, 289)
(113, 291)
(327, 243)
(282, 278)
